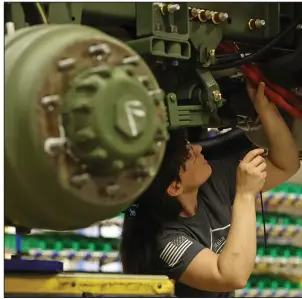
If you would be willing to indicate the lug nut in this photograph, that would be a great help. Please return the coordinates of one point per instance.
(217, 96)
(54, 145)
(131, 60)
(99, 49)
(50, 100)
(66, 64)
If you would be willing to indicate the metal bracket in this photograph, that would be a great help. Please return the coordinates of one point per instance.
(211, 92)
(190, 115)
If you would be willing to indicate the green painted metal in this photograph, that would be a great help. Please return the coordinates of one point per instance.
(191, 115)
(162, 47)
(38, 186)
(150, 20)
(109, 117)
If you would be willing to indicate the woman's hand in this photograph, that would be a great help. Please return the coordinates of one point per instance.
(258, 97)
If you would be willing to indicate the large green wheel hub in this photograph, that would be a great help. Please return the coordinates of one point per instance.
(109, 118)
(85, 127)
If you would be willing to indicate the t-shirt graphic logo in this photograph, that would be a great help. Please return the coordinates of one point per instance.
(174, 250)
(218, 238)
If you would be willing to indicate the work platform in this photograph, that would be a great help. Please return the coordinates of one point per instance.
(31, 282)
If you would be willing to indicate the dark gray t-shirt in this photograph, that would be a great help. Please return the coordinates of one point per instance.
(182, 239)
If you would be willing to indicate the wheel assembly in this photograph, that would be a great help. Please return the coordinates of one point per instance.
(85, 126)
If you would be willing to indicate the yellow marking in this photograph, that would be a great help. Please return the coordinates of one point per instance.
(91, 283)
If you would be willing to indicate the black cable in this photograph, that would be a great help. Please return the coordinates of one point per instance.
(263, 220)
(259, 53)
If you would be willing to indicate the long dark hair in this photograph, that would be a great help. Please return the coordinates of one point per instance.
(155, 207)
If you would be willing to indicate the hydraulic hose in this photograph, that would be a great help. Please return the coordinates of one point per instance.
(258, 54)
(232, 142)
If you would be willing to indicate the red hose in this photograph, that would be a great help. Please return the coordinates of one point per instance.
(275, 93)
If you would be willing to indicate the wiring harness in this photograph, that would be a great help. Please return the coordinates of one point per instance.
(278, 95)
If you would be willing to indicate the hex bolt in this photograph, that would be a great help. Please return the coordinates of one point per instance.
(66, 64)
(209, 14)
(205, 15)
(131, 60)
(222, 16)
(80, 180)
(54, 145)
(259, 23)
(173, 8)
(171, 98)
(99, 49)
(169, 8)
(212, 52)
(256, 24)
(50, 100)
(217, 96)
(194, 12)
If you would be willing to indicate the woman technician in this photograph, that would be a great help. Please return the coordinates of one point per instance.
(196, 222)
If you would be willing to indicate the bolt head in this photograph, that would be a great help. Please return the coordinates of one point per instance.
(217, 96)
(173, 7)
(99, 49)
(66, 64)
(212, 52)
